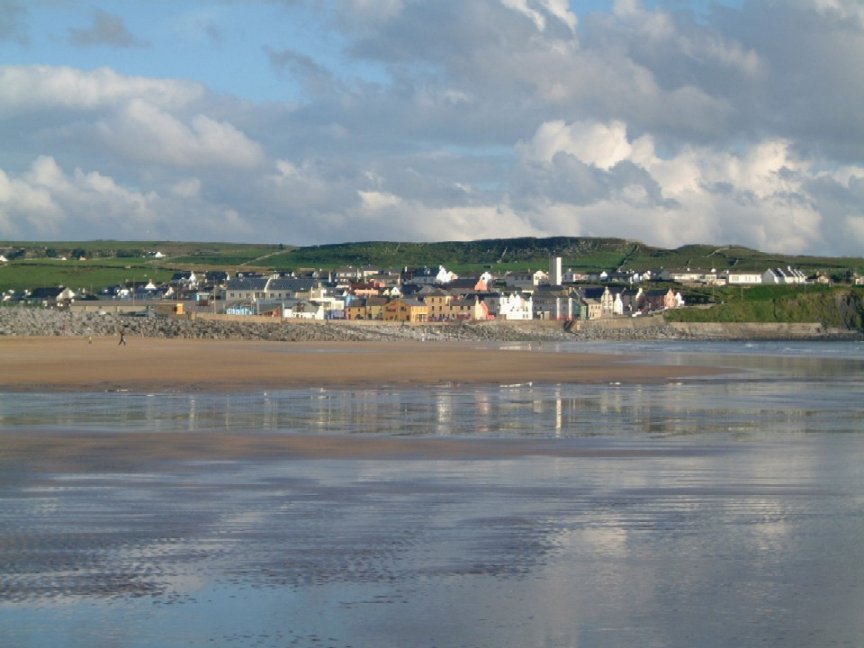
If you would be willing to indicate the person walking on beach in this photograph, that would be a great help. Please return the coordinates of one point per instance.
(122, 337)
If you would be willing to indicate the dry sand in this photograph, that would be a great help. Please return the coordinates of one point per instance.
(154, 364)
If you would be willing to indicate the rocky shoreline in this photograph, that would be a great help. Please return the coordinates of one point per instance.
(26, 321)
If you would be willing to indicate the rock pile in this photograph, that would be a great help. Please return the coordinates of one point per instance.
(26, 321)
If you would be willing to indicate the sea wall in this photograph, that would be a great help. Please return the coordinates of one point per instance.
(656, 327)
(722, 331)
(27, 321)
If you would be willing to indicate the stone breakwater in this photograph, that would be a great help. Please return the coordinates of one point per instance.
(25, 321)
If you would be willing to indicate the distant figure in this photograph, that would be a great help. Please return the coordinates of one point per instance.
(122, 337)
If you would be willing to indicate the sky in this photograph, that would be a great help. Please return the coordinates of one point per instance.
(321, 121)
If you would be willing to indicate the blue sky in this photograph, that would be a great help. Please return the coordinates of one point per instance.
(316, 121)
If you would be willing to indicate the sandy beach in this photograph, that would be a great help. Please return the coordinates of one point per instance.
(151, 364)
(154, 365)
(363, 517)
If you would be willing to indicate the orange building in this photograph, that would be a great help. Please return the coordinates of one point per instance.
(411, 311)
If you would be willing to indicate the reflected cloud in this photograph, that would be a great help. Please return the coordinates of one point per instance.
(651, 514)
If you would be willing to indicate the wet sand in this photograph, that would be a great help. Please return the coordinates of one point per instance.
(150, 365)
(650, 529)
(78, 452)
(153, 364)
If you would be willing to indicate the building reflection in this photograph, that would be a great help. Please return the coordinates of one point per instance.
(444, 412)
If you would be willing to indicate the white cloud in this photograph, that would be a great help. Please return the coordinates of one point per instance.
(760, 196)
(558, 9)
(144, 132)
(24, 89)
(396, 219)
(486, 118)
(187, 188)
(375, 201)
(47, 200)
(601, 145)
(139, 132)
(28, 204)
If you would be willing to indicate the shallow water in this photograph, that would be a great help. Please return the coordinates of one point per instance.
(734, 519)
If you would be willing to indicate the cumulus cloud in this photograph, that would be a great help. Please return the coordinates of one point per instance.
(764, 195)
(141, 131)
(24, 89)
(27, 203)
(479, 119)
(104, 118)
(601, 145)
(54, 203)
(540, 10)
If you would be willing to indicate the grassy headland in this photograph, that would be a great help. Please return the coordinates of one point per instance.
(834, 307)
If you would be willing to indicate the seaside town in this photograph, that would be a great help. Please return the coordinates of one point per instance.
(409, 295)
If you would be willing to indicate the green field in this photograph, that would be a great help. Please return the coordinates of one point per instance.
(89, 275)
(36, 264)
(839, 307)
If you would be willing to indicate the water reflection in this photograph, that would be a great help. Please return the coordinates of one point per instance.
(710, 548)
(747, 404)
(665, 531)
(444, 412)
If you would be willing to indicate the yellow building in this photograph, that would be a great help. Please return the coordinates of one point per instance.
(375, 307)
(356, 311)
(371, 308)
(411, 311)
(469, 309)
(438, 303)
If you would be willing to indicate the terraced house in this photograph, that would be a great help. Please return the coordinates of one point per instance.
(366, 308)
(411, 311)
(438, 303)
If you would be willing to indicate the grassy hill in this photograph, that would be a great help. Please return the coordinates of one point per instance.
(107, 262)
(578, 253)
(836, 307)
(516, 253)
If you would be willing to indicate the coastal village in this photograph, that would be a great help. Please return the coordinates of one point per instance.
(410, 295)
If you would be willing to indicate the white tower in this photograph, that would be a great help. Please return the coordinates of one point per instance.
(555, 275)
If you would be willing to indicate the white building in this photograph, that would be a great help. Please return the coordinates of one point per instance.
(618, 305)
(305, 310)
(515, 306)
(444, 276)
(783, 276)
(734, 278)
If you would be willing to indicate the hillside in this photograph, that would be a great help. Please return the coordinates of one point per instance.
(840, 308)
(96, 264)
(579, 252)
